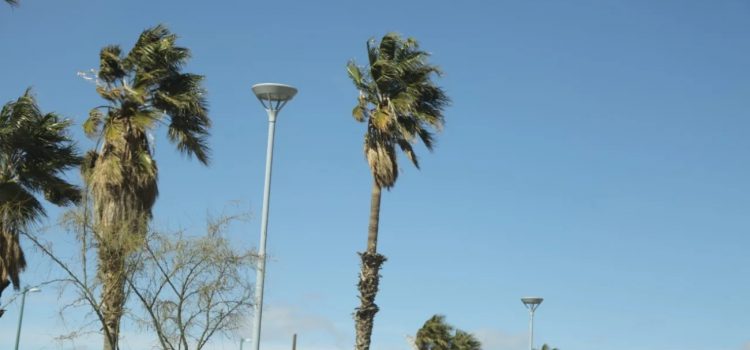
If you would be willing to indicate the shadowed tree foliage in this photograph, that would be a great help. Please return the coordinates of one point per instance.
(436, 334)
(35, 150)
(547, 347)
(400, 105)
(143, 88)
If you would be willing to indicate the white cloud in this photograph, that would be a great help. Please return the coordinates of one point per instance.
(280, 322)
(496, 339)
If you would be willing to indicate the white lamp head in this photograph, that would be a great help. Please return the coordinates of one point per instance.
(532, 303)
(274, 96)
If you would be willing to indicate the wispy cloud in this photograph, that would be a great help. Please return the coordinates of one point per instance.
(280, 322)
(496, 339)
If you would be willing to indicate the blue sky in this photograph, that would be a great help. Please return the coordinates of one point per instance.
(595, 154)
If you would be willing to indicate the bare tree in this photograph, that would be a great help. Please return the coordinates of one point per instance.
(74, 274)
(191, 288)
(187, 289)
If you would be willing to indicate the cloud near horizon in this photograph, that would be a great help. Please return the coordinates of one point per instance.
(496, 339)
(281, 322)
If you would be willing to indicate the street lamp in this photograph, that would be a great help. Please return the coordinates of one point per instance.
(242, 341)
(20, 313)
(531, 303)
(273, 97)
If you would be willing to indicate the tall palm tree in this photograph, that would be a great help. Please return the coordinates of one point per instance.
(143, 89)
(12, 2)
(400, 104)
(35, 150)
(436, 334)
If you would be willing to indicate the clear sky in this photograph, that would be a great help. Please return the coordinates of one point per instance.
(595, 154)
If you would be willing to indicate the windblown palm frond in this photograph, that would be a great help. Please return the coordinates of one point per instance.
(12, 2)
(35, 150)
(399, 102)
(436, 334)
(465, 341)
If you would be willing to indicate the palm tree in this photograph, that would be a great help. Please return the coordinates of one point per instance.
(143, 89)
(547, 347)
(12, 2)
(35, 150)
(465, 341)
(436, 334)
(400, 104)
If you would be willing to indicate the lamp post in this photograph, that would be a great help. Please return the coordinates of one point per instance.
(242, 341)
(273, 97)
(531, 303)
(20, 313)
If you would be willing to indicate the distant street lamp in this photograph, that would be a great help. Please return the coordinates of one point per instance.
(273, 97)
(20, 313)
(242, 341)
(531, 303)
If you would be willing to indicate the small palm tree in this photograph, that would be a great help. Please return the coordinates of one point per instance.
(143, 89)
(400, 104)
(436, 334)
(465, 341)
(35, 150)
(547, 347)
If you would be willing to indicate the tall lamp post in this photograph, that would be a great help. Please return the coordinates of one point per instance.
(273, 97)
(531, 303)
(20, 313)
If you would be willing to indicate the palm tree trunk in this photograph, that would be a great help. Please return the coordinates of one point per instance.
(112, 270)
(369, 277)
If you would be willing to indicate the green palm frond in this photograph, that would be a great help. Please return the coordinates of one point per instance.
(110, 64)
(146, 88)
(437, 334)
(18, 207)
(35, 149)
(465, 341)
(12, 2)
(399, 101)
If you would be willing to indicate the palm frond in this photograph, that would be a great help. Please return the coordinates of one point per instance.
(437, 334)
(110, 64)
(399, 101)
(18, 207)
(92, 125)
(36, 148)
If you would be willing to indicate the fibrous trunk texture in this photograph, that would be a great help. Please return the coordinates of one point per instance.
(112, 273)
(369, 277)
(124, 191)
